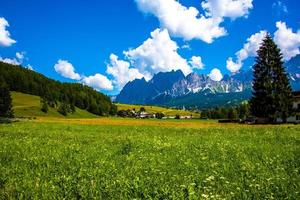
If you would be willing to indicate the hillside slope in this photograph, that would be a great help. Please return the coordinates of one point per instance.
(26, 105)
(27, 81)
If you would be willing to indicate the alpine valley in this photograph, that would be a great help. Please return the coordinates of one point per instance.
(197, 91)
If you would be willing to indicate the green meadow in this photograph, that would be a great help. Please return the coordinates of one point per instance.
(26, 105)
(42, 160)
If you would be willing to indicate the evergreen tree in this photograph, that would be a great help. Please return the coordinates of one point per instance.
(5, 101)
(159, 115)
(272, 94)
(63, 109)
(44, 105)
(232, 114)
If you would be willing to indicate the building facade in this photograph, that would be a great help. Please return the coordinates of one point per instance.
(296, 105)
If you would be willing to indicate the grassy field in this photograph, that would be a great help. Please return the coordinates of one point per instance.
(26, 105)
(156, 109)
(141, 159)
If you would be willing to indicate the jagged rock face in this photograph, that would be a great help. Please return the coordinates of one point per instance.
(164, 81)
(136, 92)
(166, 87)
(293, 69)
(195, 83)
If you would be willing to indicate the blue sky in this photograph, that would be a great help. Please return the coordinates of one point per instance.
(85, 34)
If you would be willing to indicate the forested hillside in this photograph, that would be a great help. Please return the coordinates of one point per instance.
(54, 92)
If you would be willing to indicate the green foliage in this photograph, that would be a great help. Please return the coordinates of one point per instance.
(5, 101)
(142, 109)
(177, 116)
(44, 105)
(113, 110)
(243, 111)
(238, 112)
(64, 109)
(159, 115)
(232, 114)
(272, 93)
(29, 82)
(55, 161)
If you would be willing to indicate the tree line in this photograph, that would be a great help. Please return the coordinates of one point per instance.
(63, 96)
(241, 112)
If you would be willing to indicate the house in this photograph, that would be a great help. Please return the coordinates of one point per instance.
(186, 117)
(145, 115)
(296, 105)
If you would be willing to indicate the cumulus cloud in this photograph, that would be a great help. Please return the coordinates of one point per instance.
(287, 40)
(98, 82)
(188, 23)
(66, 69)
(196, 62)
(121, 71)
(5, 39)
(157, 54)
(20, 55)
(227, 8)
(233, 66)
(249, 50)
(30, 67)
(18, 60)
(215, 75)
(12, 61)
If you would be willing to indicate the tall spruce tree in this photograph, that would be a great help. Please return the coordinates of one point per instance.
(272, 93)
(5, 100)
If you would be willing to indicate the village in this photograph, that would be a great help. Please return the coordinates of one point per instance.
(143, 114)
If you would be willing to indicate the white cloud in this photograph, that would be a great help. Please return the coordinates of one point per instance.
(233, 66)
(215, 75)
(196, 62)
(5, 39)
(98, 81)
(188, 23)
(18, 60)
(157, 54)
(20, 55)
(227, 8)
(287, 40)
(66, 69)
(30, 67)
(121, 71)
(12, 61)
(249, 50)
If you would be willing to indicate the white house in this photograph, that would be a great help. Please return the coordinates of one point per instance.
(296, 105)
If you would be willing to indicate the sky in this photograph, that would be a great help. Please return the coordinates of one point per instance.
(105, 44)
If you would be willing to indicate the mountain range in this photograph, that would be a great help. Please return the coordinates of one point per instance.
(174, 89)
